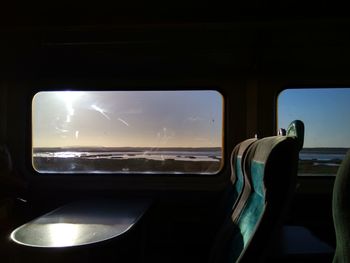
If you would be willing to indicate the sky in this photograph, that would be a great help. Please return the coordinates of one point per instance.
(325, 113)
(127, 119)
(175, 118)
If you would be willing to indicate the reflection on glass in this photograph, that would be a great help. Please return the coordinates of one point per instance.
(127, 131)
(325, 115)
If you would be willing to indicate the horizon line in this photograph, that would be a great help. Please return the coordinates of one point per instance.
(126, 147)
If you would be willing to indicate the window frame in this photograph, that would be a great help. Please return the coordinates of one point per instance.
(146, 173)
(140, 183)
(298, 86)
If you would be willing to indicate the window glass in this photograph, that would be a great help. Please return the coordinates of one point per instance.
(127, 132)
(325, 113)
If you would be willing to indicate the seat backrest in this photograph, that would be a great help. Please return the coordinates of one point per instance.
(269, 175)
(271, 166)
(231, 197)
(237, 177)
(341, 211)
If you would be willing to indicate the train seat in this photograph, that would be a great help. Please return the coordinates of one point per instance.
(341, 211)
(231, 195)
(237, 174)
(270, 168)
(297, 243)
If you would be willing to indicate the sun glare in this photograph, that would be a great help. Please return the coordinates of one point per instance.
(69, 97)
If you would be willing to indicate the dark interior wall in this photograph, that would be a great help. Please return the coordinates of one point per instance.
(248, 59)
(3, 113)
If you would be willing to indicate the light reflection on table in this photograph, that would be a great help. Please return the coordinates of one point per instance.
(81, 223)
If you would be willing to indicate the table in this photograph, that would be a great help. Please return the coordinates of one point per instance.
(82, 223)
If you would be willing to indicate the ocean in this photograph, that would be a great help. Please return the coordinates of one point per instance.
(321, 156)
(114, 160)
(212, 156)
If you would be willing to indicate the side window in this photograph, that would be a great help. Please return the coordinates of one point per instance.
(326, 115)
(176, 132)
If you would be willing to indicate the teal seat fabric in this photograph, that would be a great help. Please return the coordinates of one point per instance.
(237, 177)
(341, 212)
(231, 198)
(271, 167)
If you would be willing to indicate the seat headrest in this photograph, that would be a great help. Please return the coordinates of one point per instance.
(296, 129)
(271, 153)
(238, 154)
(263, 148)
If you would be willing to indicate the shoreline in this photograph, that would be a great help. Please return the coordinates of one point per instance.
(137, 165)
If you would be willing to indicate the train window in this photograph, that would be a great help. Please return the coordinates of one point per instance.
(325, 113)
(176, 132)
